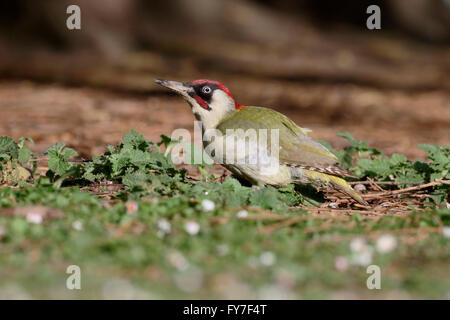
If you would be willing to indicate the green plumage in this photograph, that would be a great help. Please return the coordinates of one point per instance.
(308, 160)
(296, 147)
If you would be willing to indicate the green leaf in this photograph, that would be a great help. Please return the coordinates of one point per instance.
(68, 152)
(139, 158)
(24, 155)
(4, 157)
(397, 159)
(135, 140)
(348, 136)
(22, 140)
(8, 146)
(134, 179)
(56, 147)
(59, 168)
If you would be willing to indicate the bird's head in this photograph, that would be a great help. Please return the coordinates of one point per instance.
(210, 100)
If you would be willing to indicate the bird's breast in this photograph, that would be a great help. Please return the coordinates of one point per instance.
(247, 157)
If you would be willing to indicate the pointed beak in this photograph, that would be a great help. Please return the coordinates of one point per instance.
(178, 87)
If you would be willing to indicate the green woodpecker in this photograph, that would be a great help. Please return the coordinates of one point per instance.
(296, 157)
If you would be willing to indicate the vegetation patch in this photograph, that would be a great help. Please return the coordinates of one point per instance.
(131, 220)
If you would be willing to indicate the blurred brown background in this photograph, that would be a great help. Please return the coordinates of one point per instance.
(313, 60)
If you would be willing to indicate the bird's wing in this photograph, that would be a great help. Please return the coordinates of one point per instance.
(295, 147)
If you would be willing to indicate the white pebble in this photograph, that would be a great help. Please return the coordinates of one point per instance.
(358, 245)
(386, 243)
(446, 232)
(242, 214)
(341, 263)
(268, 258)
(208, 205)
(362, 252)
(363, 258)
(164, 226)
(192, 227)
(34, 217)
(77, 225)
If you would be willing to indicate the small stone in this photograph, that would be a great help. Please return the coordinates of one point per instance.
(360, 187)
(164, 226)
(208, 205)
(192, 227)
(341, 263)
(363, 258)
(446, 232)
(77, 225)
(358, 245)
(386, 243)
(34, 217)
(268, 258)
(242, 214)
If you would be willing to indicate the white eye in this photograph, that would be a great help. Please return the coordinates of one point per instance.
(206, 89)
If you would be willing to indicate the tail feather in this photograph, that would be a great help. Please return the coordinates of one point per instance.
(332, 170)
(323, 179)
(342, 185)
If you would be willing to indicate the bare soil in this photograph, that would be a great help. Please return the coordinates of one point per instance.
(88, 119)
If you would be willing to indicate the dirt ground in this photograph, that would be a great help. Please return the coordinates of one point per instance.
(88, 119)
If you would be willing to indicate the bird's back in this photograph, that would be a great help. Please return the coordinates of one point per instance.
(295, 147)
